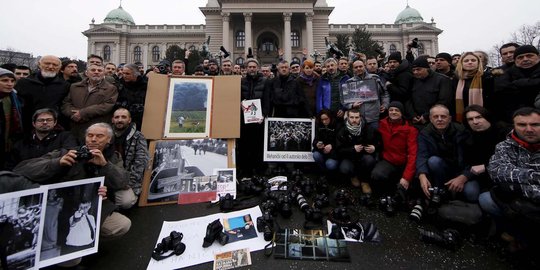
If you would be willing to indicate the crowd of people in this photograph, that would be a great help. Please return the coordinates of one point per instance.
(446, 123)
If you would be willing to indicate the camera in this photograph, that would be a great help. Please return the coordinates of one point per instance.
(340, 214)
(224, 51)
(343, 197)
(83, 154)
(380, 53)
(269, 206)
(226, 203)
(265, 225)
(414, 43)
(416, 213)
(249, 187)
(302, 202)
(387, 205)
(172, 242)
(449, 238)
(314, 214)
(285, 206)
(320, 201)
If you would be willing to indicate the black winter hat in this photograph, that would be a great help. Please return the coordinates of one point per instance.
(397, 104)
(525, 49)
(445, 56)
(420, 62)
(395, 56)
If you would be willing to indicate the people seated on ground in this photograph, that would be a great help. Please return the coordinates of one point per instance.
(480, 145)
(378, 100)
(357, 146)
(11, 126)
(131, 144)
(89, 101)
(46, 136)
(66, 165)
(397, 163)
(429, 88)
(324, 144)
(514, 201)
(440, 162)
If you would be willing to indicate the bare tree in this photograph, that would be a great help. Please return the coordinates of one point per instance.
(527, 34)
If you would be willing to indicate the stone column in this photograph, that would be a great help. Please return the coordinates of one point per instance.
(117, 55)
(247, 19)
(309, 32)
(93, 48)
(144, 55)
(225, 32)
(287, 36)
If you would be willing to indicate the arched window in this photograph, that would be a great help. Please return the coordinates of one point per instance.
(240, 39)
(239, 61)
(421, 49)
(295, 39)
(268, 46)
(155, 54)
(107, 53)
(392, 48)
(137, 54)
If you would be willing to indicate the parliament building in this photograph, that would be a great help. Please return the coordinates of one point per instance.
(264, 26)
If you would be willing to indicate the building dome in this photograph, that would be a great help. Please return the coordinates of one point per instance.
(119, 16)
(409, 15)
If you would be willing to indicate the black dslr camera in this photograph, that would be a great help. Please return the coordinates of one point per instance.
(414, 43)
(437, 197)
(226, 203)
(449, 238)
(83, 154)
(164, 67)
(172, 242)
(265, 225)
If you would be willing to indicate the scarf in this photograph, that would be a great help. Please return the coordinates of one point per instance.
(475, 95)
(354, 130)
(12, 114)
(307, 79)
(530, 147)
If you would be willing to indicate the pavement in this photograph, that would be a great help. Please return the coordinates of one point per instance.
(399, 249)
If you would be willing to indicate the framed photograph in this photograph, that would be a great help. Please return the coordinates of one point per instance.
(22, 216)
(72, 216)
(288, 139)
(188, 108)
(226, 182)
(178, 165)
(359, 91)
(199, 189)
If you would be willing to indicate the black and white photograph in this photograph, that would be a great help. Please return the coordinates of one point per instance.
(21, 226)
(72, 215)
(188, 108)
(176, 163)
(226, 175)
(288, 139)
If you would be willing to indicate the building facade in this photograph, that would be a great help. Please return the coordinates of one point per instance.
(239, 25)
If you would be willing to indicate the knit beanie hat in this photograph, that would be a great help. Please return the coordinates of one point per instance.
(525, 49)
(5, 72)
(395, 56)
(420, 62)
(398, 105)
(445, 56)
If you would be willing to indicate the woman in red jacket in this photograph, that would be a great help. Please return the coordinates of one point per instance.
(398, 157)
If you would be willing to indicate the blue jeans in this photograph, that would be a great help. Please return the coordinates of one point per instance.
(488, 205)
(361, 167)
(440, 173)
(326, 164)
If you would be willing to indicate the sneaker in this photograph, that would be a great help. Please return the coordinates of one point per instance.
(366, 188)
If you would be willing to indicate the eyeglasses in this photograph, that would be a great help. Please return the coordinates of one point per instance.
(295, 67)
(43, 120)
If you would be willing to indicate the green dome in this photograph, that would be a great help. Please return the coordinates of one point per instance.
(409, 15)
(119, 16)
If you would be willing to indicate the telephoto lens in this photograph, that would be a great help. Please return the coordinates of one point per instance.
(302, 203)
(416, 213)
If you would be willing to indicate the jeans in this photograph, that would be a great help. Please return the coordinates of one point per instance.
(361, 167)
(327, 164)
(488, 205)
(440, 173)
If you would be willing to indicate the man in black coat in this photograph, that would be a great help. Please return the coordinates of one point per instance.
(44, 89)
(132, 93)
(400, 78)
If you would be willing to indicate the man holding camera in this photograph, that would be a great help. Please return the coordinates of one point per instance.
(96, 159)
(440, 162)
(132, 93)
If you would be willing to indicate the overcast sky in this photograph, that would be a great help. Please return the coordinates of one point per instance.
(54, 26)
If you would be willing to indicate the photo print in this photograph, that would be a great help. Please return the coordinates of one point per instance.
(288, 139)
(72, 216)
(189, 108)
(177, 163)
(239, 228)
(21, 226)
(298, 244)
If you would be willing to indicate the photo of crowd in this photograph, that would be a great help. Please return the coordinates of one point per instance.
(289, 135)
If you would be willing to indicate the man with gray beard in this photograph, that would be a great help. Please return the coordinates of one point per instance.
(44, 89)
(89, 101)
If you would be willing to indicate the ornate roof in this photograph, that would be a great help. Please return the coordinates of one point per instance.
(409, 15)
(119, 16)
